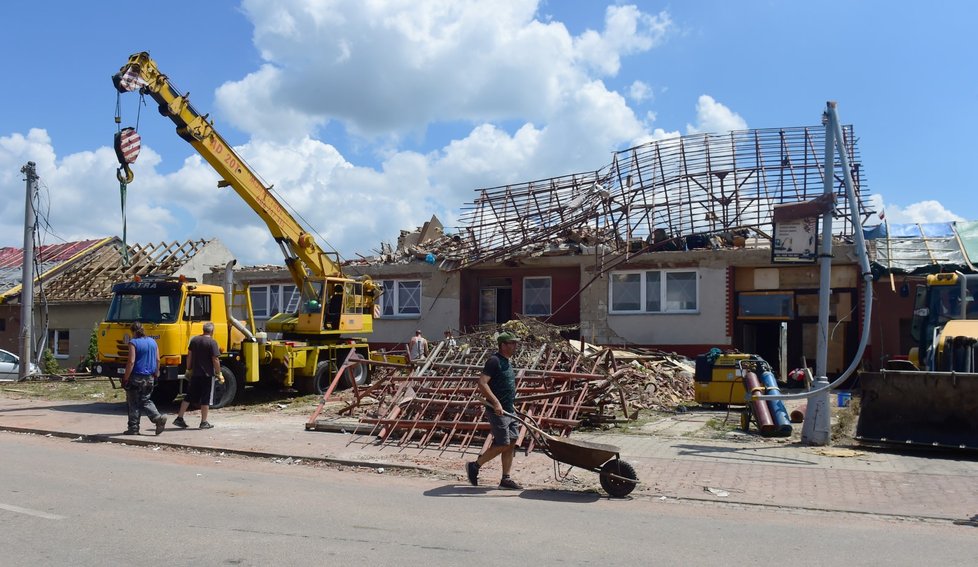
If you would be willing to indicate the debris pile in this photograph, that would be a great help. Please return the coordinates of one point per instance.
(561, 383)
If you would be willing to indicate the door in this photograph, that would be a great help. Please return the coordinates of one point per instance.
(495, 301)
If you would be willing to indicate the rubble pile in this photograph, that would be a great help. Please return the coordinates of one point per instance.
(561, 383)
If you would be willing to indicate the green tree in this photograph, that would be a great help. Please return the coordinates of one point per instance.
(49, 364)
(88, 361)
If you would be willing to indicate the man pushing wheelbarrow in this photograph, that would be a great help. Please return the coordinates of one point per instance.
(498, 384)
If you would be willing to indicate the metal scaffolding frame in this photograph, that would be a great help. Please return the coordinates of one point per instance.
(704, 184)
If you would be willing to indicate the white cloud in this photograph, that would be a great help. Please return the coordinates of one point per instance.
(640, 92)
(920, 212)
(711, 116)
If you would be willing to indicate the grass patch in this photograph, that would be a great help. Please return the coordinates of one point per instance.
(57, 390)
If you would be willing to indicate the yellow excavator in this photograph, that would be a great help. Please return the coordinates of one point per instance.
(930, 398)
(317, 336)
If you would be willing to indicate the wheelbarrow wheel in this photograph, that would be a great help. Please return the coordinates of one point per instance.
(614, 486)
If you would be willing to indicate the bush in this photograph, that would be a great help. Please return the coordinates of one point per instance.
(49, 364)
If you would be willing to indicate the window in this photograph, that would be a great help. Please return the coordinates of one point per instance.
(400, 298)
(766, 305)
(654, 291)
(197, 308)
(58, 342)
(536, 296)
(272, 299)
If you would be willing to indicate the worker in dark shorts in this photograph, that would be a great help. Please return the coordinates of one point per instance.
(498, 384)
(203, 366)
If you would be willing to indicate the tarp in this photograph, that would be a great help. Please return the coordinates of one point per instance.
(920, 247)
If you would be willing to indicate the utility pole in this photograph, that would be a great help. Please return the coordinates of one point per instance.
(815, 429)
(27, 275)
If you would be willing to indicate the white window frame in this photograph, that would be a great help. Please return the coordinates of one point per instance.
(285, 291)
(390, 300)
(55, 340)
(549, 292)
(664, 303)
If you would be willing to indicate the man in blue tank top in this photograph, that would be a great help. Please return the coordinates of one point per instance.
(142, 368)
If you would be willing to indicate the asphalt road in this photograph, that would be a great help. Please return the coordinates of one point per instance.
(72, 503)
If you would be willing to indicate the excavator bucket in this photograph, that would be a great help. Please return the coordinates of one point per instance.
(933, 409)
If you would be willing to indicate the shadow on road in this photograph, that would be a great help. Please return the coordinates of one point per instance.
(561, 496)
(460, 490)
(102, 408)
(466, 491)
(745, 454)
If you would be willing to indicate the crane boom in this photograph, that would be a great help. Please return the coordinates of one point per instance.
(331, 302)
(297, 244)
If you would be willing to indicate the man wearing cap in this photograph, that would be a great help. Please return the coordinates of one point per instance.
(498, 384)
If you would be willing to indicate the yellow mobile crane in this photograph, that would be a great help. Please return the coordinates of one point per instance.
(315, 339)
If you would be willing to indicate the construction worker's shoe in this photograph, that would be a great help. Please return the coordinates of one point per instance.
(206, 425)
(131, 432)
(510, 484)
(160, 424)
(179, 422)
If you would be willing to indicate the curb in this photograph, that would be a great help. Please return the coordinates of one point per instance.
(102, 438)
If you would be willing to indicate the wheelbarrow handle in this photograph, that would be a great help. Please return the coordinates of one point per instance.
(530, 424)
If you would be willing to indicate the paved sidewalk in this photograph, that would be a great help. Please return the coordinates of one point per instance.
(741, 469)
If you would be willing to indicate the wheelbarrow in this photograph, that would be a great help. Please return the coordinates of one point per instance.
(617, 477)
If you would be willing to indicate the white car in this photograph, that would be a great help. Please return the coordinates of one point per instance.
(10, 366)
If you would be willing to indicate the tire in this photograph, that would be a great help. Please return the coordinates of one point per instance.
(324, 377)
(225, 394)
(616, 487)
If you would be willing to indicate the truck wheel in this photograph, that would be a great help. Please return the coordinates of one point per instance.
(224, 394)
(324, 377)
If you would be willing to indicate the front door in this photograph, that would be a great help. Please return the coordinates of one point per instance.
(495, 301)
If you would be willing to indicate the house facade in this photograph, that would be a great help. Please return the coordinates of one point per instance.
(73, 290)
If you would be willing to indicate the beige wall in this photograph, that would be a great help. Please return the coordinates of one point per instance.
(78, 319)
(439, 302)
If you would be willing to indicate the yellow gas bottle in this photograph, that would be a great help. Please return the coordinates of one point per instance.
(722, 382)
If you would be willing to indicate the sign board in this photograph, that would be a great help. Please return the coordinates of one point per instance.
(795, 241)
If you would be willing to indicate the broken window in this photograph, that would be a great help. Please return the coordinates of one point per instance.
(536, 296)
(654, 291)
(401, 298)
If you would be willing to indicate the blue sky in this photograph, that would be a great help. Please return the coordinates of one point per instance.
(370, 117)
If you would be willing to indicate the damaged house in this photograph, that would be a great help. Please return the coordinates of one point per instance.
(667, 247)
(73, 286)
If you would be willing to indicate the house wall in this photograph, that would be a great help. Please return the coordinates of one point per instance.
(79, 319)
(565, 276)
(439, 303)
(892, 314)
(686, 333)
(10, 333)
